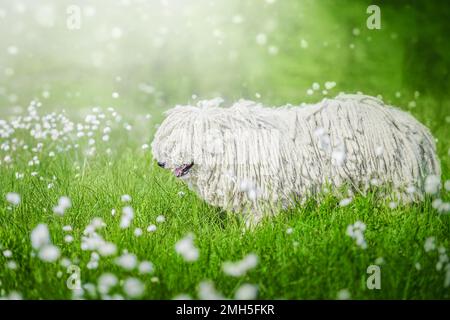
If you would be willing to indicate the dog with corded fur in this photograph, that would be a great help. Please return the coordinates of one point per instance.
(255, 160)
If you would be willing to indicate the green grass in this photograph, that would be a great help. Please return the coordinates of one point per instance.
(318, 259)
(315, 261)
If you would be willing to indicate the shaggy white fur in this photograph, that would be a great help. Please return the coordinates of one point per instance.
(254, 160)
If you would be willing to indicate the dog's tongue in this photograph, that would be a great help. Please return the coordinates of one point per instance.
(178, 171)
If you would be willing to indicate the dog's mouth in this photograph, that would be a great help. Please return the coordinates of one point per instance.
(182, 170)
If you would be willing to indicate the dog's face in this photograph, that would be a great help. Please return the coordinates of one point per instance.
(178, 142)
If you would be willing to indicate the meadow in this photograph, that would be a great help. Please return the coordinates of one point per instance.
(86, 213)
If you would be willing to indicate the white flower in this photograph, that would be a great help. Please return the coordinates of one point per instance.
(105, 282)
(289, 230)
(13, 198)
(138, 232)
(49, 253)
(393, 205)
(447, 185)
(261, 39)
(240, 268)
(67, 228)
(356, 232)
(186, 248)
(379, 151)
(160, 219)
(7, 253)
(133, 288)
(330, 85)
(343, 294)
(107, 249)
(338, 156)
(345, 202)
(430, 244)
(127, 261)
(68, 238)
(64, 203)
(12, 265)
(127, 216)
(145, 267)
(246, 292)
(125, 198)
(151, 228)
(40, 236)
(432, 184)
(207, 291)
(315, 86)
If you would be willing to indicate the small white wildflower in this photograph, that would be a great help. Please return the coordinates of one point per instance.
(145, 267)
(7, 253)
(356, 232)
(246, 292)
(432, 184)
(105, 282)
(447, 185)
(64, 203)
(261, 39)
(13, 198)
(240, 268)
(127, 217)
(68, 238)
(67, 228)
(343, 294)
(40, 236)
(125, 198)
(289, 230)
(207, 291)
(49, 253)
(127, 261)
(186, 248)
(379, 151)
(160, 219)
(138, 232)
(154, 279)
(430, 244)
(345, 202)
(151, 228)
(133, 288)
(393, 205)
(330, 85)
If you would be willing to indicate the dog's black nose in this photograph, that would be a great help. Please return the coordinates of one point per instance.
(161, 164)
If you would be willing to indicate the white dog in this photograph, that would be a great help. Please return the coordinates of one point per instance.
(254, 160)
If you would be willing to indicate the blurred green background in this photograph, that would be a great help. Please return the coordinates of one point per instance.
(155, 54)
